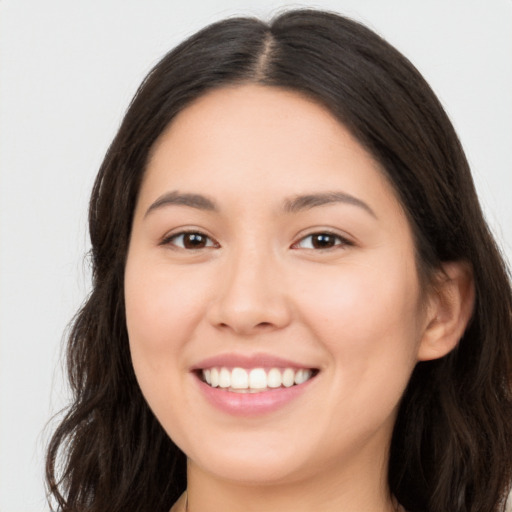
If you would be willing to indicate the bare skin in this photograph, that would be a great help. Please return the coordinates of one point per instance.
(230, 256)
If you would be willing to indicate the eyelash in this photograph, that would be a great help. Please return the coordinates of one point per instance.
(170, 240)
(342, 242)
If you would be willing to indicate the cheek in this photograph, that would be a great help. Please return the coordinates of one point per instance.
(161, 312)
(368, 324)
(365, 313)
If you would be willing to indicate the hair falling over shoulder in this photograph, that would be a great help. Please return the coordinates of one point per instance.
(452, 443)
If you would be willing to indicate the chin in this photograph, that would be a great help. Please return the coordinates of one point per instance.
(254, 473)
(252, 465)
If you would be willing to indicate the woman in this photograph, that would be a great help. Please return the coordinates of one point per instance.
(296, 301)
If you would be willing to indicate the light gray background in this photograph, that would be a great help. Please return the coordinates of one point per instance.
(67, 72)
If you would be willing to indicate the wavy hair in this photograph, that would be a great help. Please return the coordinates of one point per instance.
(452, 444)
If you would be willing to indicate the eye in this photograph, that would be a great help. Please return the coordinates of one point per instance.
(190, 240)
(324, 240)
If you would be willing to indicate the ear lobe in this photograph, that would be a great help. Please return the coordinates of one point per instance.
(450, 308)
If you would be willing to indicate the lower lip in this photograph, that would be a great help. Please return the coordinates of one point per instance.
(252, 404)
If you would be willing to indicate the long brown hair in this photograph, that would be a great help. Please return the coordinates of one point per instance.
(452, 444)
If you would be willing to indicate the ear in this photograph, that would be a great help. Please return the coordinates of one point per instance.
(450, 306)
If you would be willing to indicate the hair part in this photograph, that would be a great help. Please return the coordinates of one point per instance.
(452, 443)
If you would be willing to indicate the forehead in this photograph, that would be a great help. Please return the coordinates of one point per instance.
(242, 112)
(254, 138)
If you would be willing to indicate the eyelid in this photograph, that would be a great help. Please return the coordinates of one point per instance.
(343, 241)
(167, 240)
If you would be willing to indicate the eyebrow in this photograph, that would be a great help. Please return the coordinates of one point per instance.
(306, 202)
(293, 205)
(183, 199)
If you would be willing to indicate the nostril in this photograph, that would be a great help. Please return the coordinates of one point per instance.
(238, 327)
(264, 324)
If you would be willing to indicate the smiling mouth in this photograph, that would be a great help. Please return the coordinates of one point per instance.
(255, 380)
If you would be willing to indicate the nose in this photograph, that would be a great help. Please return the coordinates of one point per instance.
(251, 296)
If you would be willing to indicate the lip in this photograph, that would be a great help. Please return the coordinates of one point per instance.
(248, 362)
(249, 404)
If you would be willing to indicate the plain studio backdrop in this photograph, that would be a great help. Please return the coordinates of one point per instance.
(67, 72)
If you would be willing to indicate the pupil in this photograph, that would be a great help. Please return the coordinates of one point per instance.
(323, 241)
(193, 240)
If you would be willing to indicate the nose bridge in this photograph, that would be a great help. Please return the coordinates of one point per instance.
(251, 296)
(249, 275)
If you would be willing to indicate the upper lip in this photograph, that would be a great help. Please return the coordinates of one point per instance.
(260, 360)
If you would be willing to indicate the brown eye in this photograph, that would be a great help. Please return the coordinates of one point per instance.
(190, 240)
(322, 241)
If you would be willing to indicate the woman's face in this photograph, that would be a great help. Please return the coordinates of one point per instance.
(268, 249)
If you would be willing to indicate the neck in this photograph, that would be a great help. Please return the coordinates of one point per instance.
(354, 490)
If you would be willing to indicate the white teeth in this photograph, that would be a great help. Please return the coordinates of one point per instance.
(288, 378)
(224, 378)
(274, 379)
(256, 379)
(302, 376)
(214, 376)
(239, 379)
